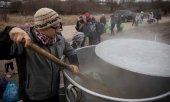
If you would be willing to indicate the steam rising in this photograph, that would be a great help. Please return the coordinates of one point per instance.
(156, 32)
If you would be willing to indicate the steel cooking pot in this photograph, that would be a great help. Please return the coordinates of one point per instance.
(103, 82)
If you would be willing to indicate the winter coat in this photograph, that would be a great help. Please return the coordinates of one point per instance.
(39, 78)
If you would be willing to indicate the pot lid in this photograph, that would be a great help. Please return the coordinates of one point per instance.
(141, 56)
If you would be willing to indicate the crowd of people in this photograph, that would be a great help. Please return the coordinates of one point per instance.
(153, 17)
(93, 29)
(89, 29)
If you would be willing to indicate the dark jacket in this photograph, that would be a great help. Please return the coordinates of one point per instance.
(103, 20)
(39, 78)
(79, 25)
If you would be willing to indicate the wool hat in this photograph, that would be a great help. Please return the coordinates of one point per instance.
(45, 18)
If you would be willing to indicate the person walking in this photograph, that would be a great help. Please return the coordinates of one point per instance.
(119, 25)
(112, 21)
(141, 17)
(39, 78)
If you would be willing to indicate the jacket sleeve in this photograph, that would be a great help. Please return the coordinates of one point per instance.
(71, 54)
(8, 48)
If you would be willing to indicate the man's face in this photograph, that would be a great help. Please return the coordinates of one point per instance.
(57, 28)
(51, 32)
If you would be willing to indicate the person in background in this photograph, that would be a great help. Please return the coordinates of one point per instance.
(136, 19)
(87, 16)
(157, 15)
(93, 34)
(85, 29)
(80, 24)
(151, 18)
(80, 28)
(100, 31)
(141, 17)
(120, 25)
(103, 19)
(39, 78)
(112, 21)
(9, 68)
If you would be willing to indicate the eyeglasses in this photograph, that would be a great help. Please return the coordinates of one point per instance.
(55, 27)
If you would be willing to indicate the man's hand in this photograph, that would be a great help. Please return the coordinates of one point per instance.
(74, 69)
(17, 35)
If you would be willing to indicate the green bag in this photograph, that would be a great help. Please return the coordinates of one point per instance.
(120, 26)
(107, 27)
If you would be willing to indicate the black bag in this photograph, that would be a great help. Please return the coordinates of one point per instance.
(3, 84)
(100, 28)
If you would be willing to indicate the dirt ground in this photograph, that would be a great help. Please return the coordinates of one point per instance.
(157, 32)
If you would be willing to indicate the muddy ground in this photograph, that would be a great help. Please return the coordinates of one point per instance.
(156, 32)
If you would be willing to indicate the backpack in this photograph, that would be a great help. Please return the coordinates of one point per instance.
(92, 27)
(3, 84)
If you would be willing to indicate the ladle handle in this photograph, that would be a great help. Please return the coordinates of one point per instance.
(47, 55)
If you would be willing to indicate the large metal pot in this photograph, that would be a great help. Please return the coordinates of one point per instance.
(102, 82)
